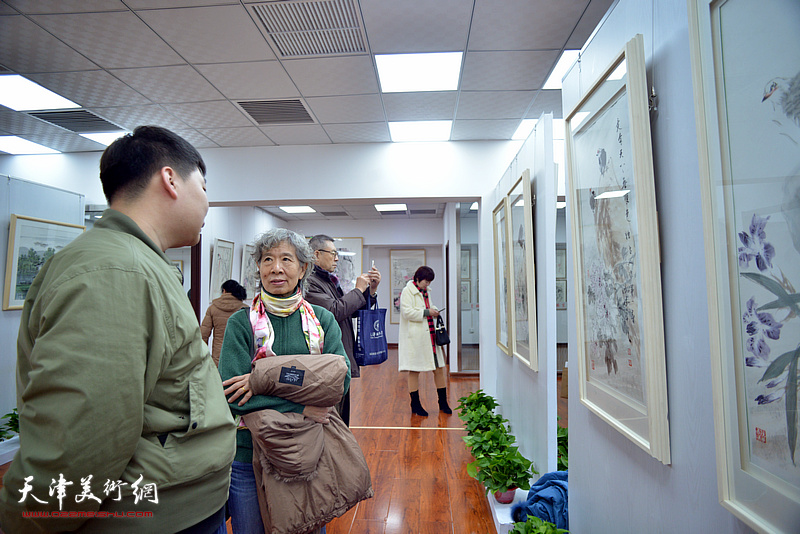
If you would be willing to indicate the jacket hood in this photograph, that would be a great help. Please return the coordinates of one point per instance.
(228, 302)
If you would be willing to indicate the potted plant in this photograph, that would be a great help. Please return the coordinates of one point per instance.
(501, 472)
(536, 525)
(562, 442)
(9, 436)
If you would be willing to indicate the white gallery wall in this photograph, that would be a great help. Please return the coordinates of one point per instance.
(615, 485)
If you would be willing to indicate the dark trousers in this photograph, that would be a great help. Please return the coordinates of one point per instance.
(344, 408)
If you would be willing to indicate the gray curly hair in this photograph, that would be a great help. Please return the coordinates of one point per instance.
(274, 237)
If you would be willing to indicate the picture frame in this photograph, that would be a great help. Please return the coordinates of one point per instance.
(466, 258)
(403, 263)
(31, 242)
(221, 266)
(522, 271)
(465, 294)
(561, 294)
(502, 296)
(615, 248)
(178, 264)
(249, 276)
(350, 264)
(561, 261)
(750, 186)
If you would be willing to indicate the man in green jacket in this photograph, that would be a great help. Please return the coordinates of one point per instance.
(123, 423)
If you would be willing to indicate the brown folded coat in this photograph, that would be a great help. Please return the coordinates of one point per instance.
(307, 473)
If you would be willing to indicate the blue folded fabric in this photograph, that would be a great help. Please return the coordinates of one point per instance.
(547, 500)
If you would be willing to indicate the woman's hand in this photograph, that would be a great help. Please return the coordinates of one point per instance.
(319, 414)
(240, 387)
(433, 312)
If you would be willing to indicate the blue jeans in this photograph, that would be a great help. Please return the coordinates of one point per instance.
(243, 500)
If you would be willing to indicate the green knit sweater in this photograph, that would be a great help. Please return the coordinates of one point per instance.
(237, 353)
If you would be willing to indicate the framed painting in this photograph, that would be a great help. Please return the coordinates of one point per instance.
(466, 294)
(561, 261)
(466, 257)
(617, 277)
(747, 108)
(178, 264)
(31, 242)
(221, 266)
(502, 297)
(402, 265)
(249, 277)
(349, 266)
(523, 272)
(561, 294)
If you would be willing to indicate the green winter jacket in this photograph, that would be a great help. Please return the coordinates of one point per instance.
(115, 383)
(238, 350)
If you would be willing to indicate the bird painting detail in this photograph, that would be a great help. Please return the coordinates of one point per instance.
(784, 95)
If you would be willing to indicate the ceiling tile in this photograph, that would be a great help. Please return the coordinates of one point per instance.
(589, 21)
(160, 4)
(358, 108)
(257, 80)
(547, 101)
(64, 141)
(373, 132)
(25, 48)
(66, 6)
(93, 88)
(305, 134)
(217, 114)
(112, 40)
(166, 85)
(417, 25)
(21, 123)
(506, 71)
(525, 25)
(197, 139)
(493, 104)
(129, 117)
(247, 136)
(352, 75)
(420, 106)
(469, 130)
(212, 34)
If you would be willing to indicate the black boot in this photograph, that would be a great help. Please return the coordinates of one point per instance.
(443, 406)
(416, 407)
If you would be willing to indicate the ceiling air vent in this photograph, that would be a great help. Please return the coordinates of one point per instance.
(334, 213)
(277, 111)
(423, 212)
(309, 28)
(78, 121)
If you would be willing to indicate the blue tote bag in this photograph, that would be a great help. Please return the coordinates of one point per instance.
(371, 345)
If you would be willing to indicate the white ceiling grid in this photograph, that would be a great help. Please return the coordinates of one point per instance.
(185, 64)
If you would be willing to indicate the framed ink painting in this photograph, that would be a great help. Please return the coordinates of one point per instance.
(249, 277)
(523, 272)
(31, 242)
(349, 267)
(221, 266)
(619, 318)
(502, 297)
(402, 264)
(747, 108)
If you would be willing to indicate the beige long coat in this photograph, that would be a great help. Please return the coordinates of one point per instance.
(414, 343)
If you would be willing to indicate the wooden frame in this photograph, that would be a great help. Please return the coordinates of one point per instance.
(619, 321)
(748, 134)
(249, 276)
(502, 297)
(221, 266)
(178, 264)
(522, 271)
(40, 238)
(402, 266)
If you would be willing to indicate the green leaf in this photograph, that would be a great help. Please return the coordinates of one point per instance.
(773, 287)
(791, 404)
(787, 302)
(779, 364)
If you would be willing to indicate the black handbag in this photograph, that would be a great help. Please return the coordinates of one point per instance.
(441, 337)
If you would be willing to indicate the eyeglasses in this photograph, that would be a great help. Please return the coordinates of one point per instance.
(335, 253)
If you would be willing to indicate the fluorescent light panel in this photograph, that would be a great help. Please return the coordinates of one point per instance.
(104, 138)
(399, 73)
(21, 94)
(561, 205)
(563, 64)
(390, 207)
(474, 206)
(407, 131)
(298, 209)
(19, 146)
(613, 194)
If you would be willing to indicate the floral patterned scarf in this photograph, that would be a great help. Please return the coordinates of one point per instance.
(263, 332)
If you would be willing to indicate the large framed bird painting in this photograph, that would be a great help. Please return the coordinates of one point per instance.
(746, 78)
(619, 318)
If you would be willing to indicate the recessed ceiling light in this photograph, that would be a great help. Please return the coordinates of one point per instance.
(19, 146)
(474, 206)
(561, 205)
(563, 64)
(390, 207)
(298, 209)
(613, 194)
(21, 94)
(524, 129)
(399, 73)
(420, 131)
(104, 138)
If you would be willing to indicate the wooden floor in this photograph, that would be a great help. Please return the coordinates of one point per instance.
(418, 464)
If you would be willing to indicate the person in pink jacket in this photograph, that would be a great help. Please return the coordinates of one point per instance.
(218, 312)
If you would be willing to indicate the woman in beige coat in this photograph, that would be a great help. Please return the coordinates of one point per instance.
(417, 350)
(218, 312)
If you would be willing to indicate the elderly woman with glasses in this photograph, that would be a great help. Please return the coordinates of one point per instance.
(278, 322)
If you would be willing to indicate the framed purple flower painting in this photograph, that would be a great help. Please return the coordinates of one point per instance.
(748, 125)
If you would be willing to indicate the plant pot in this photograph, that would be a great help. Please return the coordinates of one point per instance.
(7, 449)
(505, 497)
